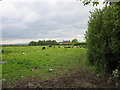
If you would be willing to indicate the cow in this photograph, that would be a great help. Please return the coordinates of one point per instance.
(2, 50)
(62, 46)
(43, 48)
(50, 45)
(23, 52)
(75, 47)
(68, 47)
(58, 46)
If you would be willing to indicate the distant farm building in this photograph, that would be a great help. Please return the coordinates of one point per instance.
(65, 42)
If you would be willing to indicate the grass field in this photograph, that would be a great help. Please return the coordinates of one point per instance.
(26, 61)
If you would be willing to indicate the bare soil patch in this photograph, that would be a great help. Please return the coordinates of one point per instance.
(81, 78)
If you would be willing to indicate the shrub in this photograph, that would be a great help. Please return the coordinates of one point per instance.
(103, 38)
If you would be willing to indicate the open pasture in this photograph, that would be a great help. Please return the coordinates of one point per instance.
(28, 61)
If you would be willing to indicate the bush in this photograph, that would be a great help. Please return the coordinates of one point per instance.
(103, 38)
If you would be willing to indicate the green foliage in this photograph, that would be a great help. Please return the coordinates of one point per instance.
(74, 41)
(32, 43)
(86, 2)
(95, 3)
(40, 42)
(103, 38)
(116, 75)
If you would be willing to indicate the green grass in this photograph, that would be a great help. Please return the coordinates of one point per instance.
(19, 66)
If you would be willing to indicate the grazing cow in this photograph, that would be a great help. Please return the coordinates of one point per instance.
(68, 47)
(50, 45)
(75, 46)
(3, 62)
(58, 46)
(51, 70)
(2, 50)
(43, 48)
(24, 52)
(62, 46)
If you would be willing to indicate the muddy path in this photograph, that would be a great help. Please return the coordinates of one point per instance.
(81, 78)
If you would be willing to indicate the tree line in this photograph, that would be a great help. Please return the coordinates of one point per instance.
(44, 42)
(74, 42)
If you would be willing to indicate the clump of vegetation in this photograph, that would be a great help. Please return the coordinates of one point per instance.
(75, 42)
(103, 39)
(116, 75)
(40, 42)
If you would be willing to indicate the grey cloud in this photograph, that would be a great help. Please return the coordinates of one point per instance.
(43, 20)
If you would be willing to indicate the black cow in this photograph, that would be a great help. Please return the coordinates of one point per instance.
(58, 46)
(2, 50)
(50, 45)
(43, 48)
(68, 47)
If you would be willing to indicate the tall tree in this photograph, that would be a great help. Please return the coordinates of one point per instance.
(32, 43)
(74, 41)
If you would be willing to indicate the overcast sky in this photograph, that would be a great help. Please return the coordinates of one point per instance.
(25, 20)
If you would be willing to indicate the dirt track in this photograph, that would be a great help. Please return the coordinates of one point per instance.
(81, 78)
